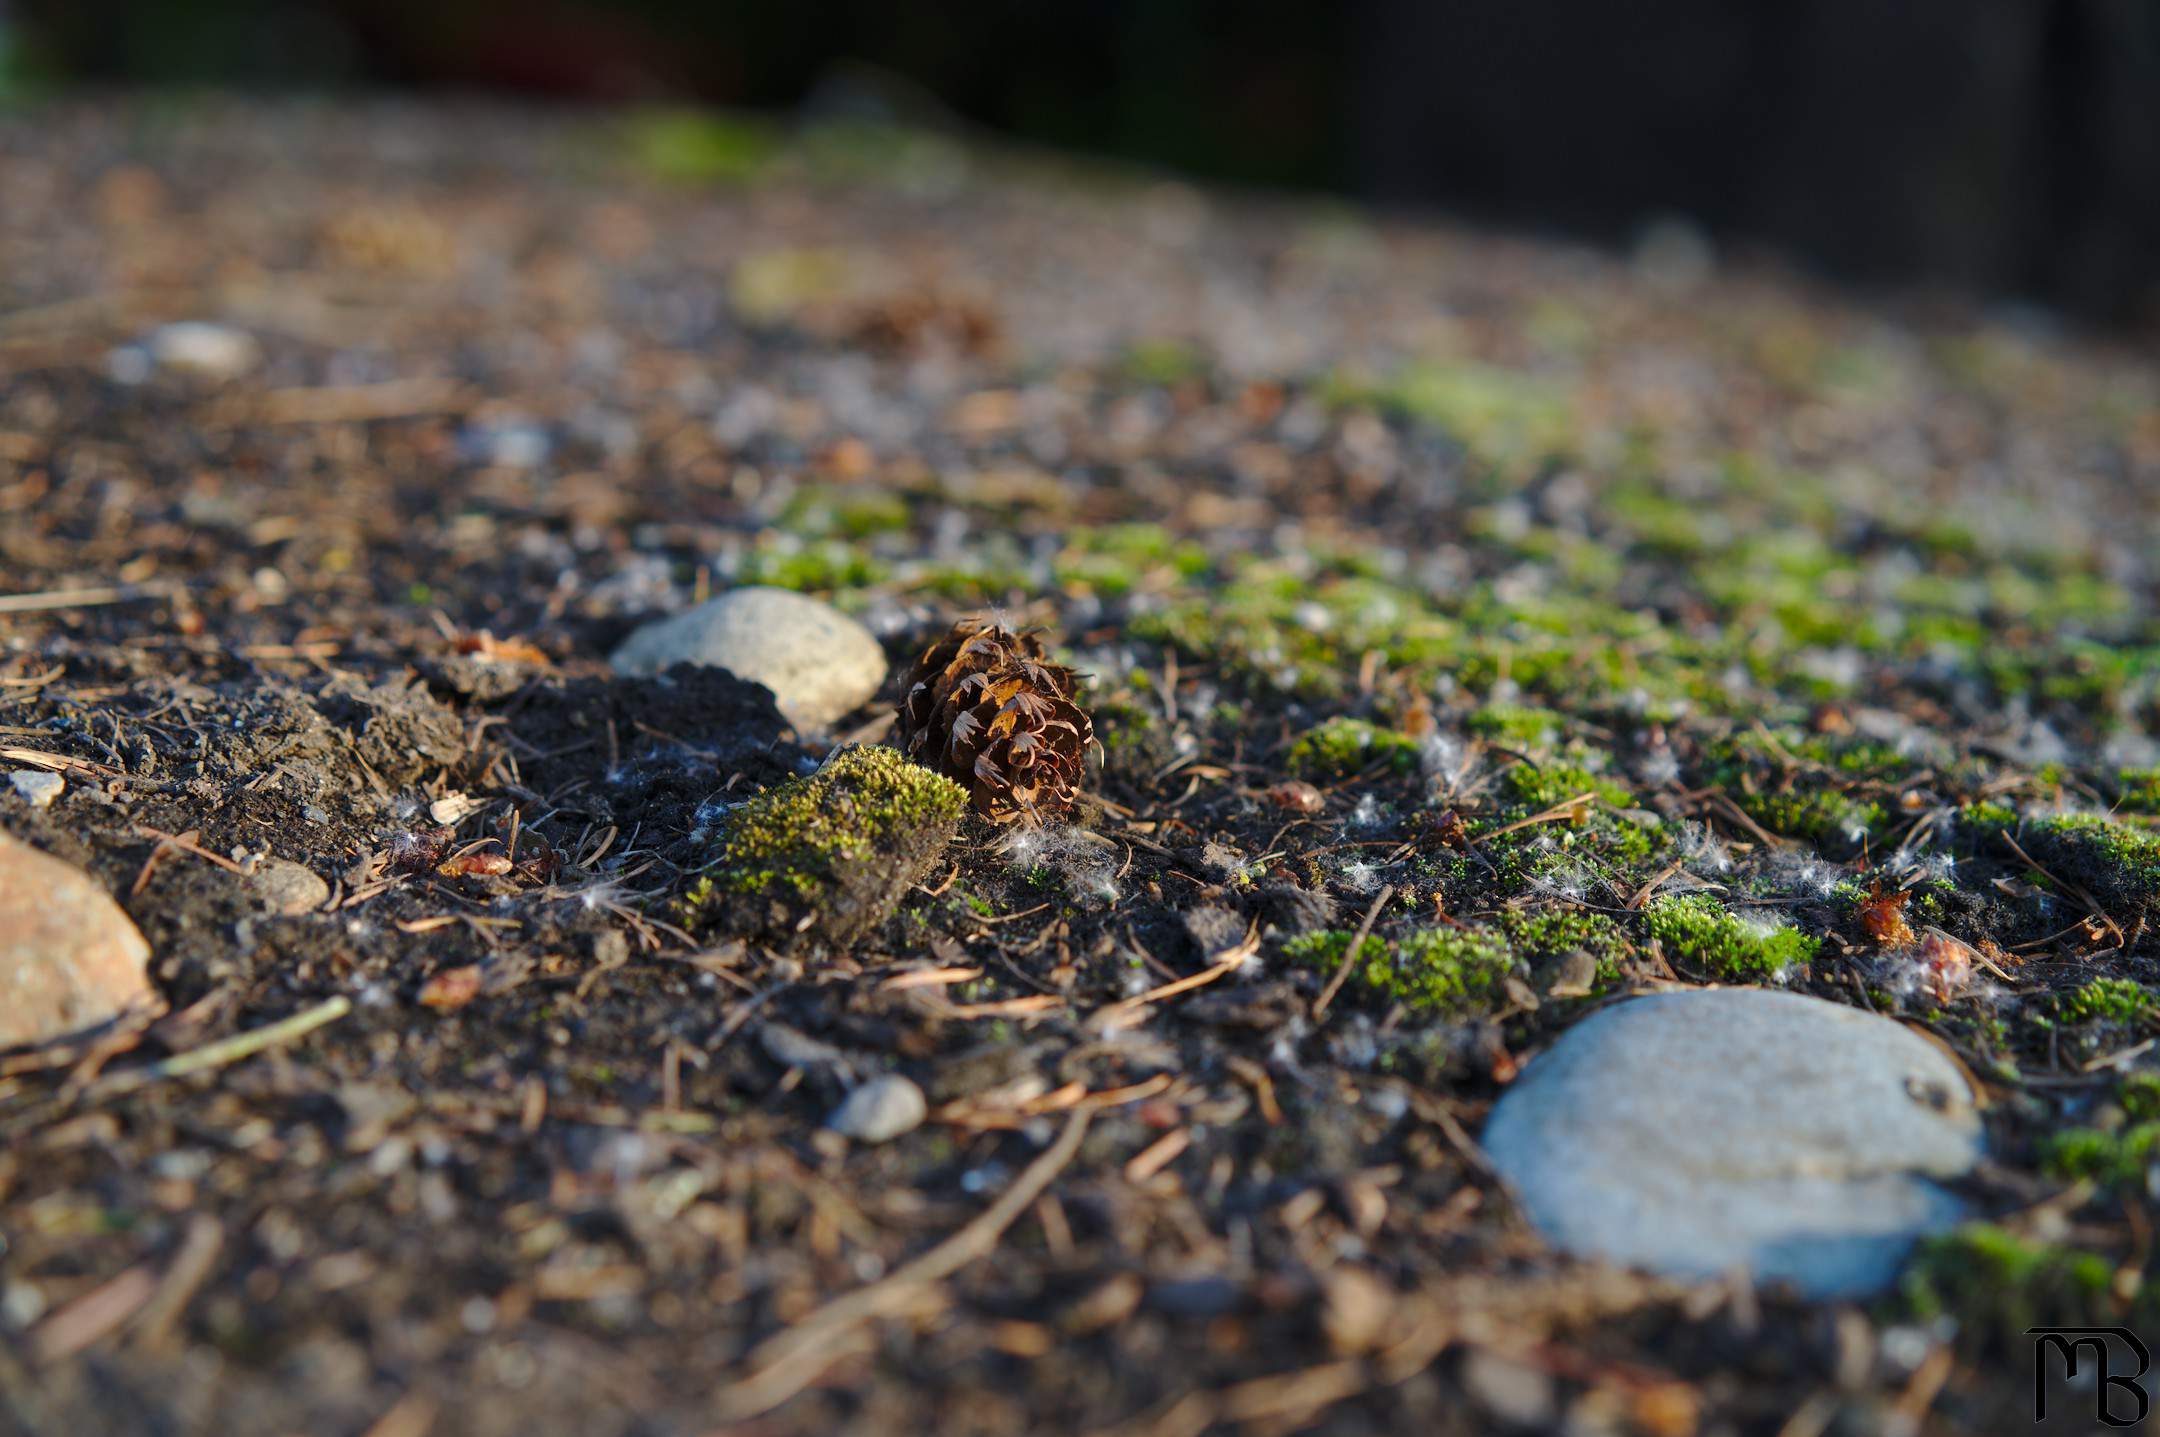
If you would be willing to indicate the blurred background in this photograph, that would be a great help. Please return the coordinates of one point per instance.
(2004, 148)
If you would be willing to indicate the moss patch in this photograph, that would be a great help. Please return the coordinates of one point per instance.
(838, 848)
(2113, 1158)
(1548, 935)
(2137, 790)
(2118, 862)
(1543, 787)
(1440, 971)
(1989, 1279)
(2109, 1000)
(1695, 929)
(1345, 746)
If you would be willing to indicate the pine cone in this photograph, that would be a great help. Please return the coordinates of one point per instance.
(986, 708)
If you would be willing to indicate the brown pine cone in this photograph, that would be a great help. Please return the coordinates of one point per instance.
(986, 708)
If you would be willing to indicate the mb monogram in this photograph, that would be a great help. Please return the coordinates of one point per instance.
(2102, 1342)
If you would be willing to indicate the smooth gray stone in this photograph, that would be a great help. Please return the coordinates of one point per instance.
(819, 663)
(1691, 1133)
(880, 1110)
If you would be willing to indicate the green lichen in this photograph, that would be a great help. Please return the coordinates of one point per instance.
(1695, 929)
(1439, 971)
(1342, 747)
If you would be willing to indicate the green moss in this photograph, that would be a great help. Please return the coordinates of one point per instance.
(841, 842)
(692, 146)
(1544, 787)
(1163, 362)
(823, 567)
(1440, 971)
(2140, 1097)
(1504, 418)
(1548, 935)
(1991, 1280)
(1528, 728)
(1662, 524)
(2118, 1158)
(2118, 862)
(1119, 559)
(819, 511)
(1793, 783)
(1820, 815)
(2108, 1000)
(1987, 817)
(1697, 930)
(2137, 790)
(1342, 747)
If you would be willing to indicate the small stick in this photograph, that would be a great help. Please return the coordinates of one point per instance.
(190, 1269)
(1352, 955)
(56, 762)
(80, 598)
(791, 1360)
(1567, 808)
(227, 1050)
(1642, 894)
(2092, 904)
(1231, 960)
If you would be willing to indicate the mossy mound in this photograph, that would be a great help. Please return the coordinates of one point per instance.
(2117, 862)
(1697, 930)
(826, 858)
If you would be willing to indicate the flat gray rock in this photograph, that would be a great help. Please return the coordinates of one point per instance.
(70, 960)
(1693, 1133)
(819, 663)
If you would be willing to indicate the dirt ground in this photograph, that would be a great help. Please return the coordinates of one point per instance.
(1491, 596)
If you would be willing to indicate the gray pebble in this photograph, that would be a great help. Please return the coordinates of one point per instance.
(880, 1110)
(213, 351)
(1692, 1133)
(819, 663)
(37, 787)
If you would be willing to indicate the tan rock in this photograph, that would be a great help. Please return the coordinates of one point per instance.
(70, 960)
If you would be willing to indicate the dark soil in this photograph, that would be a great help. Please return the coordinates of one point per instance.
(1385, 545)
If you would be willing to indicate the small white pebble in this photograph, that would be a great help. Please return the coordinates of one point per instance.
(880, 1110)
(38, 788)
